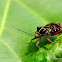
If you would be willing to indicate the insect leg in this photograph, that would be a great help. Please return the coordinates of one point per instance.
(51, 41)
(31, 40)
(60, 35)
(37, 44)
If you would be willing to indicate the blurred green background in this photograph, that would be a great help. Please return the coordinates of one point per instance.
(27, 15)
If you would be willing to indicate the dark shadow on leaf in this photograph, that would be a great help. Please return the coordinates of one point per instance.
(49, 48)
(32, 47)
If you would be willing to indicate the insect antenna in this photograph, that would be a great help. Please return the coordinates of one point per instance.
(22, 31)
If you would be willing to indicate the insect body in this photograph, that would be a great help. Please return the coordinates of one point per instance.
(50, 29)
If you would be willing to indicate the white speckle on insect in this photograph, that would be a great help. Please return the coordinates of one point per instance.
(55, 29)
(58, 29)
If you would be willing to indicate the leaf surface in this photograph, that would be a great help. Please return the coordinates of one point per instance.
(28, 15)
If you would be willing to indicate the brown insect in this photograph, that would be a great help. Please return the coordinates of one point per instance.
(50, 29)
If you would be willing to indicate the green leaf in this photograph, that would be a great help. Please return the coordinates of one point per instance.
(28, 15)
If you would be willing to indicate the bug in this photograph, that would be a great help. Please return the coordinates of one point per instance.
(50, 29)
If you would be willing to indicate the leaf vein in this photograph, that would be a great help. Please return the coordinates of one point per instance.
(5, 16)
(11, 50)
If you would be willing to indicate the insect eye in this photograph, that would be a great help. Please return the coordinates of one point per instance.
(37, 35)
